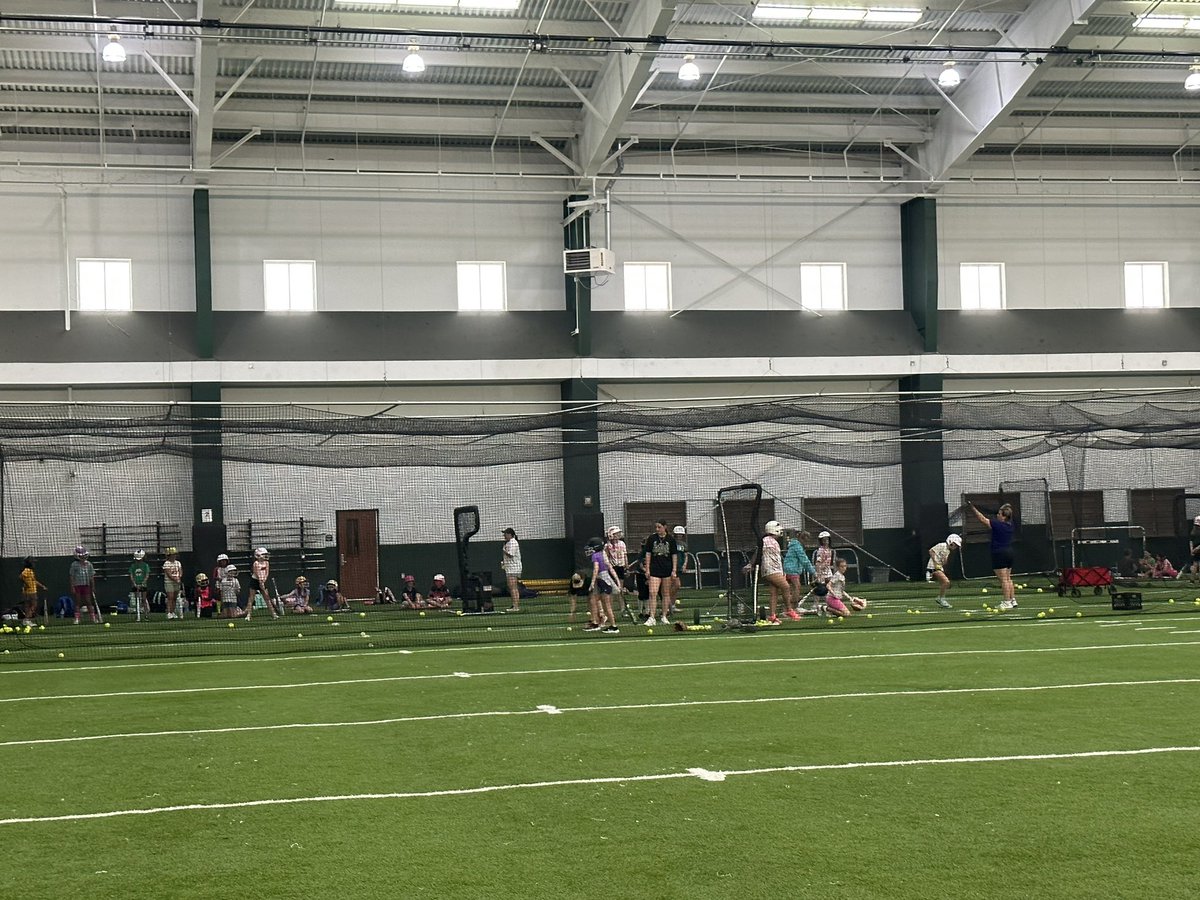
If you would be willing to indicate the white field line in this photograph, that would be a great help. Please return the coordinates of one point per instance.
(1155, 628)
(577, 670)
(525, 645)
(546, 709)
(698, 773)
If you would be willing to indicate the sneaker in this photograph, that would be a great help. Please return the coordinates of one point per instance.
(611, 629)
(76, 621)
(792, 614)
(944, 603)
(591, 626)
(650, 623)
(1008, 604)
(773, 620)
(664, 621)
(514, 609)
(172, 616)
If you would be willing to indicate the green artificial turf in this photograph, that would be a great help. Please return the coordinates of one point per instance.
(1111, 826)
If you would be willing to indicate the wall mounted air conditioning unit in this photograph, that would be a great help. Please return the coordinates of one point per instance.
(587, 262)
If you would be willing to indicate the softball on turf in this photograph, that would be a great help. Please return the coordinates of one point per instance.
(329, 618)
(649, 631)
(108, 624)
(60, 656)
(362, 615)
(1050, 610)
(870, 616)
(370, 645)
(230, 624)
(299, 635)
(41, 628)
(569, 628)
(1172, 600)
(489, 629)
(983, 590)
(1039, 590)
(967, 614)
(1079, 615)
(1042, 615)
(363, 634)
(421, 614)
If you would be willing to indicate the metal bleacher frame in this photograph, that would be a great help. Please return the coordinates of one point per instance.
(850, 555)
(702, 570)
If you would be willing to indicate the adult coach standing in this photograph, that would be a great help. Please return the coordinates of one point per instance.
(510, 562)
(1002, 529)
(660, 564)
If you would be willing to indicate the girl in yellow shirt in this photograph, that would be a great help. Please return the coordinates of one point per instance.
(29, 591)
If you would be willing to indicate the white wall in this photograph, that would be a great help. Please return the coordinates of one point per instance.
(47, 502)
(731, 253)
(380, 252)
(152, 229)
(1064, 254)
(415, 503)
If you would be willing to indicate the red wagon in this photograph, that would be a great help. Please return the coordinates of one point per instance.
(1096, 577)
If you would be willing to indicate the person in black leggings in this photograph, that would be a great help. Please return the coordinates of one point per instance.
(1002, 529)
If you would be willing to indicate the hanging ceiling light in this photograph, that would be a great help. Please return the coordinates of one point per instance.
(949, 77)
(1192, 82)
(689, 71)
(413, 63)
(113, 52)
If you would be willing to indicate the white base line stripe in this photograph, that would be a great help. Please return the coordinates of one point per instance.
(546, 709)
(907, 630)
(584, 669)
(703, 774)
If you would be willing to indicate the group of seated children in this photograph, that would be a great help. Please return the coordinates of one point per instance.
(438, 596)
(1150, 565)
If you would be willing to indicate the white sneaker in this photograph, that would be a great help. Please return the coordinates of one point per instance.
(649, 623)
(172, 616)
(1008, 604)
(664, 621)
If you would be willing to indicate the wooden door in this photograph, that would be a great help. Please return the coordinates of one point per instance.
(358, 552)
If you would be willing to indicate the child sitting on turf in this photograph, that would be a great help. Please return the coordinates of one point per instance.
(410, 597)
(205, 601)
(230, 588)
(332, 599)
(1163, 568)
(838, 600)
(297, 600)
(384, 595)
(439, 594)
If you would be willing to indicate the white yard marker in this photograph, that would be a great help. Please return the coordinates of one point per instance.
(573, 782)
(550, 710)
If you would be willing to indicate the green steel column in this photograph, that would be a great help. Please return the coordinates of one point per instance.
(202, 238)
(919, 259)
(207, 480)
(581, 465)
(922, 475)
(576, 236)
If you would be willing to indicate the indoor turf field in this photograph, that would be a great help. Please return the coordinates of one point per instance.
(995, 755)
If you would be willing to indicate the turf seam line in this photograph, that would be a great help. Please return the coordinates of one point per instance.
(698, 773)
(525, 645)
(548, 709)
(578, 670)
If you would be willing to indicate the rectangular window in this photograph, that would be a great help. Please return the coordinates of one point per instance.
(823, 285)
(1075, 509)
(1146, 285)
(105, 284)
(288, 285)
(647, 286)
(842, 516)
(641, 516)
(981, 285)
(1155, 510)
(974, 531)
(482, 286)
